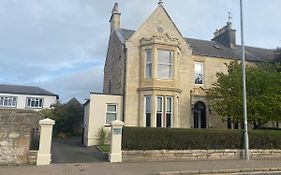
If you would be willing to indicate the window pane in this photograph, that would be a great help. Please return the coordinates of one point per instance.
(159, 104)
(5, 101)
(148, 120)
(164, 71)
(198, 78)
(168, 120)
(198, 67)
(148, 56)
(147, 104)
(111, 108)
(159, 120)
(1, 101)
(14, 101)
(169, 104)
(148, 73)
(110, 117)
(165, 64)
(164, 56)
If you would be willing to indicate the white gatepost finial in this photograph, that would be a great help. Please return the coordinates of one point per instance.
(160, 2)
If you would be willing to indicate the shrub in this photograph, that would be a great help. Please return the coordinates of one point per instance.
(102, 136)
(265, 139)
(136, 138)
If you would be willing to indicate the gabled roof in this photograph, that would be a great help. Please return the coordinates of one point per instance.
(216, 49)
(28, 90)
(73, 101)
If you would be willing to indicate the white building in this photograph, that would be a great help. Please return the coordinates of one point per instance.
(26, 97)
(99, 111)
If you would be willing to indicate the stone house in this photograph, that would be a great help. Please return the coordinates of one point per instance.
(159, 77)
(26, 97)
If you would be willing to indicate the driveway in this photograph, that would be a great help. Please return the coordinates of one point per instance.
(70, 150)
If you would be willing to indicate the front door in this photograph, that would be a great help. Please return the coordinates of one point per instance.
(199, 115)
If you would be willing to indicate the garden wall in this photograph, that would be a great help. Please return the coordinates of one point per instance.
(15, 134)
(151, 155)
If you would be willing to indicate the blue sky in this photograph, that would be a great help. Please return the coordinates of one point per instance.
(61, 45)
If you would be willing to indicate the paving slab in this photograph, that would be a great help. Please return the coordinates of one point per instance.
(141, 168)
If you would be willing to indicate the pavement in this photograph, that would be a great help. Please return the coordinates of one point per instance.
(149, 168)
(70, 157)
(71, 150)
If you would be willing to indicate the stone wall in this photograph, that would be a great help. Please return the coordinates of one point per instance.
(15, 134)
(197, 154)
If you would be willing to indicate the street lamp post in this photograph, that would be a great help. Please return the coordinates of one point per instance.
(246, 137)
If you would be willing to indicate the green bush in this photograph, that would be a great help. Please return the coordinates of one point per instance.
(102, 136)
(136, 138)
(265, 139)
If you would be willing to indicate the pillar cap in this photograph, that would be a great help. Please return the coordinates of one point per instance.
(117, 123)
(47, 121)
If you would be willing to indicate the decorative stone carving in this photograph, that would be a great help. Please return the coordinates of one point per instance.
(163, 38)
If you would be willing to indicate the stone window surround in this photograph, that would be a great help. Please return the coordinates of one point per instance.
(153, 97)
(154, 57)
(161, 42)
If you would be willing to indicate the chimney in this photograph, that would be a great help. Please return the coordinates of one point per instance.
(115, 19)
(226, 36)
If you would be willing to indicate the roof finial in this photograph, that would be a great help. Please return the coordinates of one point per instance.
(115, 8)
(160, 2)
(229, 16)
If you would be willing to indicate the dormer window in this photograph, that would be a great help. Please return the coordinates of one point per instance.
(165, 64)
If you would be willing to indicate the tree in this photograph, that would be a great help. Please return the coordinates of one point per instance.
(263, 94)
(277, 59)
(68, 117)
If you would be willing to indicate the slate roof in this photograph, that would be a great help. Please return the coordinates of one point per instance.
(216, 49)
(28, 90)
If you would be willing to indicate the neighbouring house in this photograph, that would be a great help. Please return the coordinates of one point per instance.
(26, 97)
(155, 77)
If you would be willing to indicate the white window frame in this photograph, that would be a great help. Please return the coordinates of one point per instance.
(199, 73)
(170, 112)
(110, 112)
(145, 113)
(162, 108)
(34, 99)
(171, 55)
(147, 63)
(11, 101)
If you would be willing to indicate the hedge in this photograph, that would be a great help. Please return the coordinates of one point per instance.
(140, 138)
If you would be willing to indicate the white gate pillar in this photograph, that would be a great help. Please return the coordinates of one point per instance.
(44, 153)
(115, 154)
